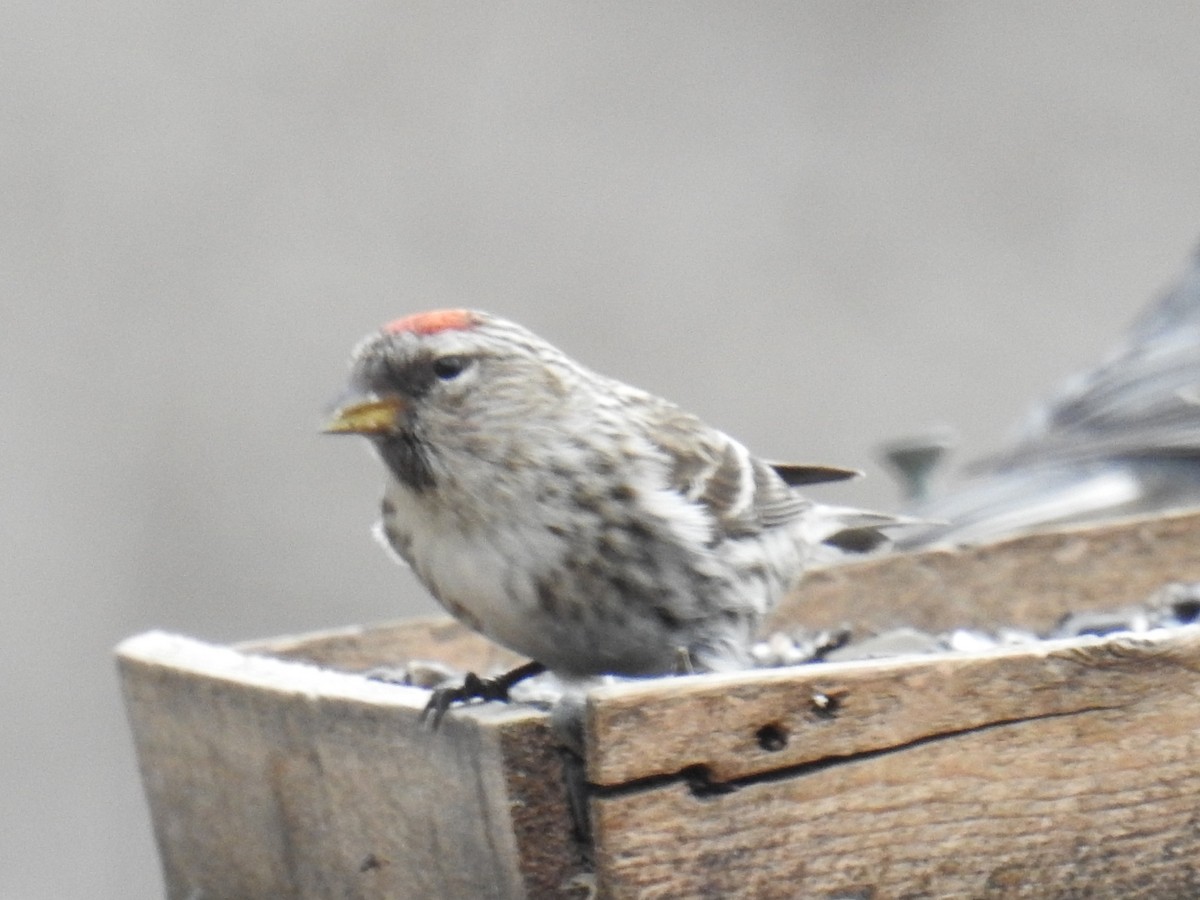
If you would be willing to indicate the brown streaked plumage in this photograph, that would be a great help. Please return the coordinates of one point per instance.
(577, 520)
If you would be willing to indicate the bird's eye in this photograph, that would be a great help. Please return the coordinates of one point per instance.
(448, 368)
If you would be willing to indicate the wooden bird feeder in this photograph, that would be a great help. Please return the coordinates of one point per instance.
(1067, 768)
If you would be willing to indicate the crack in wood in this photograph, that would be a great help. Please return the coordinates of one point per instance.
(700, 783)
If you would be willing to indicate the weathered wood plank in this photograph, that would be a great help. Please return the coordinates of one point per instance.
(744, 724)
(269, 778)
(1095, 796)
(1053, 770)
(1028, 582)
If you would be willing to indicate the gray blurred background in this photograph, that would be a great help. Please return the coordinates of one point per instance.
(818, 225)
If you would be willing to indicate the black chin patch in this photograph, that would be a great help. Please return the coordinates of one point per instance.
(407, 458)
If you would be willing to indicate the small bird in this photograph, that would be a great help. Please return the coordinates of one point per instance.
(588, 525)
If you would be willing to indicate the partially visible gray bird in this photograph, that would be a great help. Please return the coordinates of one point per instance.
(1120, 439)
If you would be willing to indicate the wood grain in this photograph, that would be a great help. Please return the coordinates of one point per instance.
(1027, 582)
(1078, 784)
(823, 711)
(270, 778)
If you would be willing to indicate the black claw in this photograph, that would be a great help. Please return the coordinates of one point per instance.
(476, 688)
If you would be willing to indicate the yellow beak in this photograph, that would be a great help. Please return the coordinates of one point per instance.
(367, 417)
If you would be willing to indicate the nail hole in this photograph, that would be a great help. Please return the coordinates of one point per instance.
(1187, 611)
(371, 862)
(771, 738)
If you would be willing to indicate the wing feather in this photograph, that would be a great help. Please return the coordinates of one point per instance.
(742, 494)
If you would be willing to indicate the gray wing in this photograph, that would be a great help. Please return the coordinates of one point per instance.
(1120, 439)
(1144, 400)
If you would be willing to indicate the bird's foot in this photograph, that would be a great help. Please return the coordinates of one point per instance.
(476, 688)
(684, 663)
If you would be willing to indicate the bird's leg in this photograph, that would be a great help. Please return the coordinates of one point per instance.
(476, 688)
(684, 664)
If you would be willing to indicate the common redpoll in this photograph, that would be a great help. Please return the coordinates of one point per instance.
(576, 520)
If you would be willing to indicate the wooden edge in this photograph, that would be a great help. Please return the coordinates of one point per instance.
(250, 666)
(736, 725)
(1030, 581)
(360, 648)
(255, 665)
(310, 766)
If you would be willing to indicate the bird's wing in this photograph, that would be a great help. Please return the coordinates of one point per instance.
(1141, 401)
(745, 495)
(742, 494)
